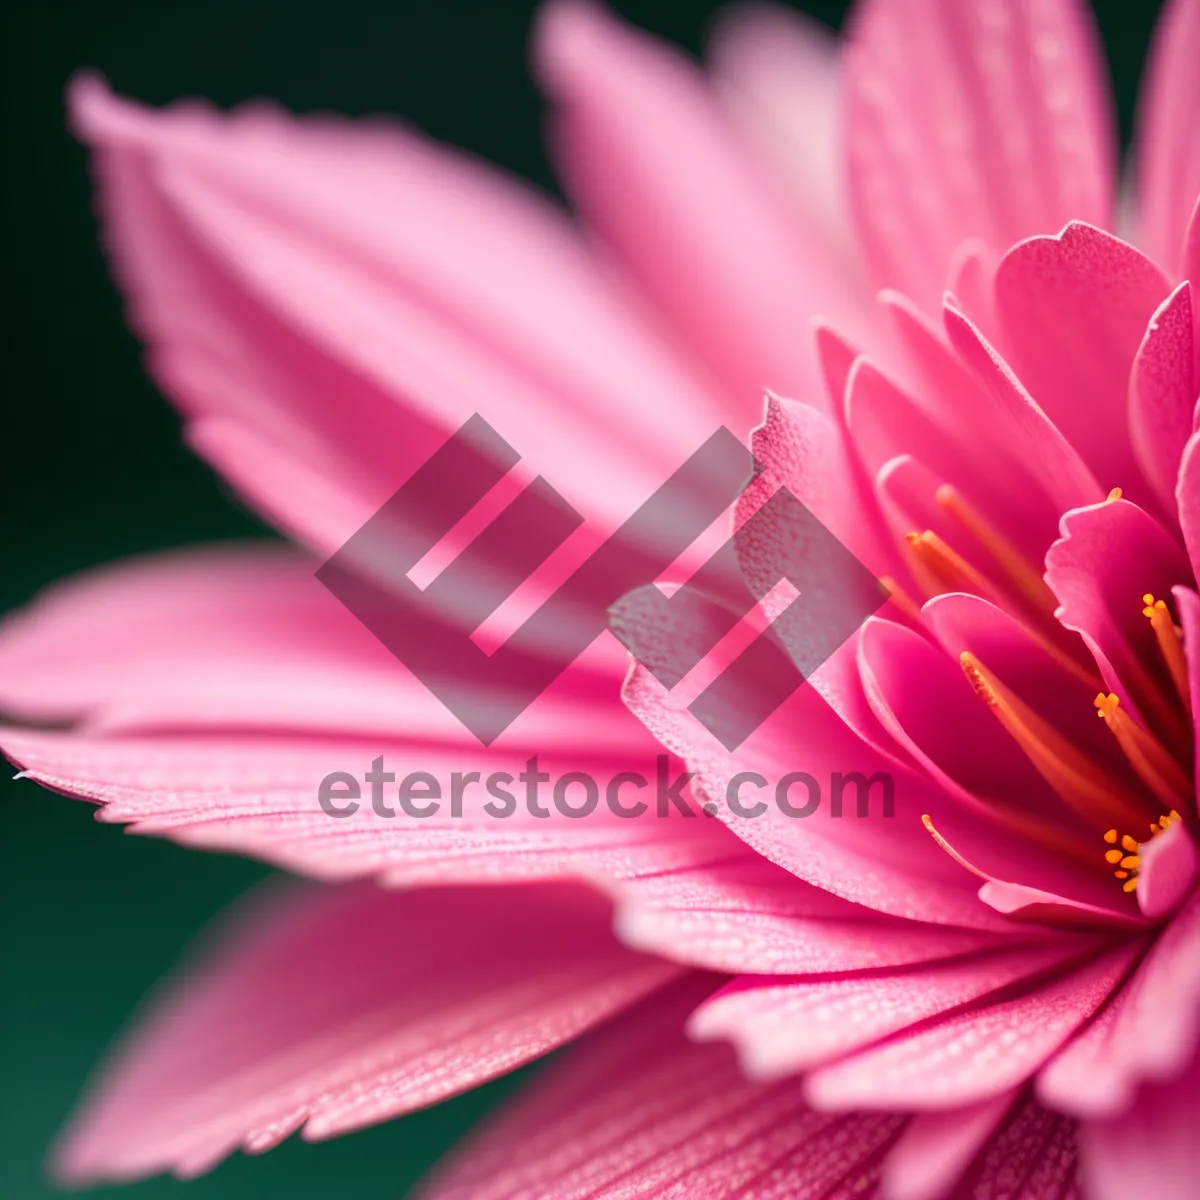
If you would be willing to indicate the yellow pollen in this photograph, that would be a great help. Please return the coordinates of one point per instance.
(1025, 578)
(1129, 864)
(1079, 781)
(1115, 494)
(1160, 772)
(1170, 643)
(948, 570)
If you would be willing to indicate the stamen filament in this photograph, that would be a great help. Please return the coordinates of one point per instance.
(1171, 645)
(1025, 578)
(949, 570)
(1161, 773)
(1078, 780)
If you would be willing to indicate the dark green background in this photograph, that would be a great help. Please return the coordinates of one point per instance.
(91, 468)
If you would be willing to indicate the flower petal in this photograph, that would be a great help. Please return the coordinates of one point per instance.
(1162, 394)
(632, 1112)
(969, 121)
(1108, 557)
(1150, 1150)
(785, 1027)
(937, 1148)
(205, 696)
(1147, 1032)
(272, 262)
(971, 1056)
(1168, 151)
(657, 168)
(337, 1008)
(1074, 309)
(778, 73)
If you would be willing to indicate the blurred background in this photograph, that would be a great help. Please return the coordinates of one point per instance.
(93, 469)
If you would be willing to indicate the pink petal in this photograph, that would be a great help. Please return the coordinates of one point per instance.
(1188, 605)
(337, 1008)
(1168, 151)
(871, 860)
(937, 1148)
(972, 122)
(272, 262)
(1151, 1150)
(1074, 309)
(1056, 688)
(1170, 865)
(972, 1056)
(745, 914)
(1162, 394)
(1187, 492)
(658, 170)
(638, 1110)
(777, 71)
(781, 1028)
(1049, 457)
(1108, 557)
(941, 721)
(1147, 1032)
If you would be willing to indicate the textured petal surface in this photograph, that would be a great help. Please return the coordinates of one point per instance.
(974, 1055)
(1168, 150)
(639, 1111)
(1074, 309)
(337, 1008)
(781, 1028)
(1162, 394)
(972, 121)
(1148, 1031)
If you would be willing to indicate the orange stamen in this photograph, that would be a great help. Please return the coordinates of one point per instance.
(1128, 865)
(1170, 643)
(1025, 578)
(1078, 780)
(946, 567)
(1161, 773)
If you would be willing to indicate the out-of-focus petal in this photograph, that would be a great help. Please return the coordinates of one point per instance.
(1168, 150)
(1074, 309)
(1162, 394)
(778, 72)
(657, 168)
(937, 1148)
(972, 121)
(1149, 1150)
(337, 1008)
(633, 1111)
(272, 263)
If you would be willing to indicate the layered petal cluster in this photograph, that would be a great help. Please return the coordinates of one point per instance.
(988, 986)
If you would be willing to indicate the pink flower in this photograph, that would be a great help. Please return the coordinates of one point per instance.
(326, 304)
